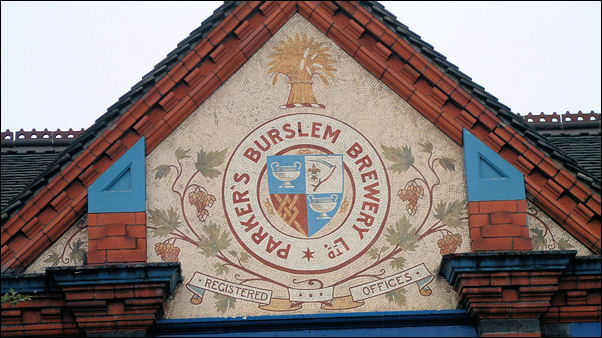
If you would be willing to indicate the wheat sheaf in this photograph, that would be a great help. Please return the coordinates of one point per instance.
(299, 60)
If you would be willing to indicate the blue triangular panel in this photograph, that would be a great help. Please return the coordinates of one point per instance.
(488, 170)
(122, 183)
(122, 188)
(489, 177)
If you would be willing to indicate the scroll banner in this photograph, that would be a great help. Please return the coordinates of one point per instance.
(418, 274)
(200, 282)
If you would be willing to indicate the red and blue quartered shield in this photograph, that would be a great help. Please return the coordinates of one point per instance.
(306, 190)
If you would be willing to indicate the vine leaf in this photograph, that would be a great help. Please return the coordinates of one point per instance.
(244, 257)
(427, 147)
(162, 171)
(166, 221)
(402, 235)
(78, 253)
(402, 158)
(220, 268)
(448, 163)
(223, 303)
(563, 244)
(214, 241)
(397, 297)
(53, 258)
(206, 162)
(373, 253)
(539, 241)
(181, 153)
(450, 213)
(398, 263)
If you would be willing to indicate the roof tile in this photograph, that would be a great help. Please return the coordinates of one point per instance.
(32, 227)
(276, 20)
(397, 83)
(373, 63)
(252, 43)
(337, 34)
(362, 17)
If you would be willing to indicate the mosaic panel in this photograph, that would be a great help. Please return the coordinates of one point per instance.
(69, 250)
(305, 185)
(547, 235)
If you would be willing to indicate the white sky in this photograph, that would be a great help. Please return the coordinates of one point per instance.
(65, 63)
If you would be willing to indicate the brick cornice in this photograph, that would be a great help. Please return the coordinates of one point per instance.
(548, 286)
(70, 301)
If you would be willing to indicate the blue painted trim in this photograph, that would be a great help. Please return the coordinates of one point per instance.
(352, 324)
(117, 274)
(27, 283)
(489, 177)
(454, 264)
(122, 188)
(589, 265)
(406, 331)
(406, 315)
(584, 329)
(63, 276)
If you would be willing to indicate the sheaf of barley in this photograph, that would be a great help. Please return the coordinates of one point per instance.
(299, 60)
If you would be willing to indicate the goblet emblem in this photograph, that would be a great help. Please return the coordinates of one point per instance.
(322, 205)
(286, 173)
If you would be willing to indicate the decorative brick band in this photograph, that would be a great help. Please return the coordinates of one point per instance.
(499, 225)
(550, 287)
(578, 297)
(44, 315)
(83, 301)
(117, 238)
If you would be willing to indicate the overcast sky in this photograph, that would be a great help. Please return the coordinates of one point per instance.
(65, 63)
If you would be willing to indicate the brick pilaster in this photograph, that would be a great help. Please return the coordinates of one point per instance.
(116, 238)
(120, 300)
(499, 225)
(517, 293)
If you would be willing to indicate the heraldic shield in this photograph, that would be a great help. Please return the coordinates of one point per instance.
(306, 190)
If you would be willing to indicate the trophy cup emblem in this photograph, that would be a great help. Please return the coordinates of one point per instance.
(322, 205)
(286, 173)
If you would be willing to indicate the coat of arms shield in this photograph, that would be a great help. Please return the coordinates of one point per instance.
(306, 190)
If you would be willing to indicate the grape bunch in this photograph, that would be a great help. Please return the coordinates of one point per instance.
(411, 193)
(449, 243)
(201, 200)
(168, 252)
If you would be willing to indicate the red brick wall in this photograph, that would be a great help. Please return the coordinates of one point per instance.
(116, 238)
(44, 315)
(499, 225)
